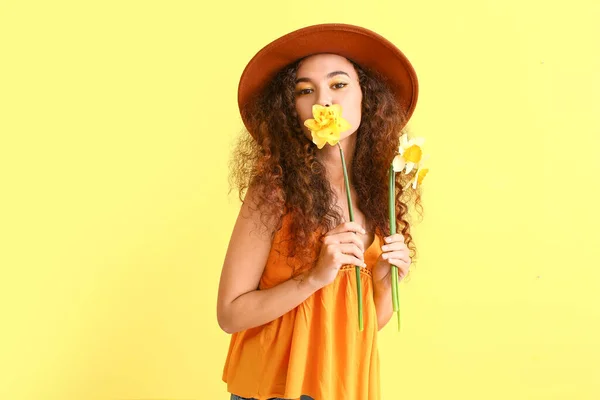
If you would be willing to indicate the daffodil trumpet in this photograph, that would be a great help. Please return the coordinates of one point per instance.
(326, 126)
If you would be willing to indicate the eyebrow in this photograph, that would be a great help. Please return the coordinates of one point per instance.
(329, 76)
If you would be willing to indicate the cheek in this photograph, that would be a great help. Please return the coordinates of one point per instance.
(355, 110)
(304, 111)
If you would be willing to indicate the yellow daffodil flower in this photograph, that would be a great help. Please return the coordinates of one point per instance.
(410, 154)
(327, 124)
(410, 151)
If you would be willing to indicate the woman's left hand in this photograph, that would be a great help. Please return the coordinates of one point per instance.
(395, 252)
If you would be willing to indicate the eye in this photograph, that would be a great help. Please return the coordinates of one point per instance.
(339, 85)
(303, 91)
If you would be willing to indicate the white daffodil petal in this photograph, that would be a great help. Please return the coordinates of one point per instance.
(409, 167)
(420, 141)
(398, 163)
(404, 141)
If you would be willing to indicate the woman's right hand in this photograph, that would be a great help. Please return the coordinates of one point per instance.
(341, 246)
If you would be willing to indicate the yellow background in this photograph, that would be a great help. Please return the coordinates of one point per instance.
(117, 120)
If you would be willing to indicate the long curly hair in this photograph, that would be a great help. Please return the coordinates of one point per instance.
(281, 165)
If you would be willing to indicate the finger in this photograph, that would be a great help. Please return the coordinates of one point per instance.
(351, 249)
(398, 237)
(395, 246)
(345, 237)
(347, 227)
(401, 264)
(402, 269)
(402, 272)
(346, 259)
(396, 255)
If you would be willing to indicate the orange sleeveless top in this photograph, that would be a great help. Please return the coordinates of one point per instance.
(316, 349)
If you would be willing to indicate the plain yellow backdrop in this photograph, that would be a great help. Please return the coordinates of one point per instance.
(117, 120)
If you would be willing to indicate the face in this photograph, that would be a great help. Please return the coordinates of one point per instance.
(328, 79)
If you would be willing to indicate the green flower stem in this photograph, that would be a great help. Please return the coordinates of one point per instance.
(356, 267)
(394, 271)
(398, 314)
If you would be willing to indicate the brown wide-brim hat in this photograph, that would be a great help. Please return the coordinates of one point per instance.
(367, 48)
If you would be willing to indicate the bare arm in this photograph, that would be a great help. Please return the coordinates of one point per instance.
(240, 305)
(382, 294)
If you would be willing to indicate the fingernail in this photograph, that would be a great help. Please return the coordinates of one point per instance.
(364, 265)
(388, 239)
(384, 248)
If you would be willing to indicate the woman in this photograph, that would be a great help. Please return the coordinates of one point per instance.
(288, 288)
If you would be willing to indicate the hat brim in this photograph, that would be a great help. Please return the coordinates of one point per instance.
(365, 47)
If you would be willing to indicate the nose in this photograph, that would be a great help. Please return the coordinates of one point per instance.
(324, 98)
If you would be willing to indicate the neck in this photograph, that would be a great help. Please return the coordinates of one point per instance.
(330, 157)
